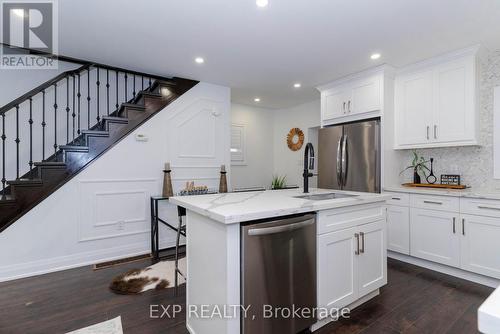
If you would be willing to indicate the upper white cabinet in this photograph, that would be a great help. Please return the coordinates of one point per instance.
(436, 102)
(356, 97)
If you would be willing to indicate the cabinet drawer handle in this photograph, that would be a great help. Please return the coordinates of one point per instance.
(488, 207)
(362, 234)
(433, 202)
(428, 132)
(454, 229)
(396, 198)
(349, 106)
(357, 244)
(435, 131)
(463, 226)
(343, 108)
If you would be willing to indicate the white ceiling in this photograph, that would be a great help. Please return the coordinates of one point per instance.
(262, 52)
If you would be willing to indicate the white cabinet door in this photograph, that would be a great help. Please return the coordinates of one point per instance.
(413, 116)
(480, 245)
(434, 236)
(365, 96)
(337, 284)
(398, 229)
(454, 105)
(372, 263)
(334, 104)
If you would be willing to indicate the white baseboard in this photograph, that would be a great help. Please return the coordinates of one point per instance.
(40, 267)
(466, 275)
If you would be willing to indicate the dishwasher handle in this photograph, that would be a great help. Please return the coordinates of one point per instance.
(279, 229)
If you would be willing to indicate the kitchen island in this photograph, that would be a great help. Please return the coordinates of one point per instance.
(349, 243)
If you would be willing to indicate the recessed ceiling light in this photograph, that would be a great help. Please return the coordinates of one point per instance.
(199, 60)
(257, 99)
(297, 85)
(375, 56)
(262, 3)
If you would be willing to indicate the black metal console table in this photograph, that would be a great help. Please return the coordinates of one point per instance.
(155, 231)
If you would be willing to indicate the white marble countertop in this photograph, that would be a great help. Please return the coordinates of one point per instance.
(239, 207)
(489, 314)
(468, 193)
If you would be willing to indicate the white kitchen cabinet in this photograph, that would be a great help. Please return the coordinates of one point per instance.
(337, 270)
(434, 236)
(372, 260)
(413, 108)
(356, 97)
(351, 264)
(479, 245)
(435, 102)
(398, 229)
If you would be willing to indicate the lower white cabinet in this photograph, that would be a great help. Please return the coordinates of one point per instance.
(434, 237)
(351, 263)
(398, 229)
(480, 244)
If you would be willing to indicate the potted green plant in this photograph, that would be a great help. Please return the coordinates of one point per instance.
(418, 164)
(278, 182)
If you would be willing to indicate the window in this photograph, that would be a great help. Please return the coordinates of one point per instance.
(238, 144)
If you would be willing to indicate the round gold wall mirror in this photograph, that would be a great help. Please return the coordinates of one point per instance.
(295, 139)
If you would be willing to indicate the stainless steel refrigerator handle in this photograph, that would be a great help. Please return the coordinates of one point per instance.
(344, 161)
(339, 166)
(279, 229)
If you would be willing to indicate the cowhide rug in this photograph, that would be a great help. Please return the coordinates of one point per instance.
(113, 326)
(159, 276)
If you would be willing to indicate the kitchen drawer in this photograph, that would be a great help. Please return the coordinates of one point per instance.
(480, 206)
(441, 203)
(401, 199)
(341, 218)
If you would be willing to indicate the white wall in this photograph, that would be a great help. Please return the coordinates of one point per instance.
(103, 213)
(257, 169)
(287, 162)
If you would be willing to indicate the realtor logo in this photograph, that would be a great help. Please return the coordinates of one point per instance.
(28, 25)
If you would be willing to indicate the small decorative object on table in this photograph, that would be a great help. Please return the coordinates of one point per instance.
(418, 164)
(191, 189)
(167, 182)
(450, 179)
(223, 180)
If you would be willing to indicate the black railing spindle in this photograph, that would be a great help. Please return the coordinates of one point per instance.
(142, 81)
(43, 124)
(55, 117)
(126, 82)
(3, 154)
(149, 81)
(73, 114)
(79, 95)
(133, 92)
(88, 98)
(107, 91)
(67, 109)
(98, 83)
(30, 121)
(116, 105)
(17, 142)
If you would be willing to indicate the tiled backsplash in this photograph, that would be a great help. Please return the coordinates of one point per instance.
(474, 164)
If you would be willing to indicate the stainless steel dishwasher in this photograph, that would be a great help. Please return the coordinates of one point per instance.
(278, 269)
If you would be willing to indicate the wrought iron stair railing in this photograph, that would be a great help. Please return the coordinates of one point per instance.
(56, 112)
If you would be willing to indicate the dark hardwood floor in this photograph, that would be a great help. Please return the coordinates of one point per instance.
(416, 300)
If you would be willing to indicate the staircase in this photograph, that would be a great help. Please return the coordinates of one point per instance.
(78, 115)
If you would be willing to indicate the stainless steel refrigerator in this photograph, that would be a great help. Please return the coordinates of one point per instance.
(349, 157)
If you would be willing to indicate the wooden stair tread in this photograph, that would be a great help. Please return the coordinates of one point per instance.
(25, 182)
(132, 106)
(7, 199)
(115, 119)
(74, 148)
(50, 164)
(95, 133)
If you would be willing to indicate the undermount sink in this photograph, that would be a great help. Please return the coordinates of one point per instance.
(322, 197)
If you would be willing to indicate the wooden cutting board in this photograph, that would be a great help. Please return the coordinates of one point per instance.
(435, 186)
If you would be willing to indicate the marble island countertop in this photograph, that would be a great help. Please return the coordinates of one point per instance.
(232, 208)
(467, 193)
(489, 314)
